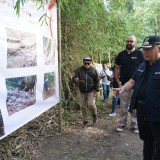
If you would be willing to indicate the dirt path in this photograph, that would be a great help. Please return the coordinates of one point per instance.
(100, 142)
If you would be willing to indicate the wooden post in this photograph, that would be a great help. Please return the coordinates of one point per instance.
(99, 56)
(59, 64)
(109, 58)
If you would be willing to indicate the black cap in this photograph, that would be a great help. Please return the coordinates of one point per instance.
(149, 41)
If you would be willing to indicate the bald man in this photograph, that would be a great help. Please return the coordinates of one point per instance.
(126, 63)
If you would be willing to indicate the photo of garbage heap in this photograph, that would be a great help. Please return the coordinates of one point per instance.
(21, 93)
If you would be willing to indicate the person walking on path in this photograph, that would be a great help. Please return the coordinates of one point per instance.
(126, 64)
(146, 97)
(87, 79)
(104, 74)
(115, 98)
(46, 84)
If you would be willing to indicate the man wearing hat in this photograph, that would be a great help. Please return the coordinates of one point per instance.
(146, 97)
(87, 79)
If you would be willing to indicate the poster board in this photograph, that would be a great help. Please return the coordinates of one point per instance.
(99, 68)
(29, 64)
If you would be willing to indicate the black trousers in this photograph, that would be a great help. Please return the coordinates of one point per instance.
(149, 132)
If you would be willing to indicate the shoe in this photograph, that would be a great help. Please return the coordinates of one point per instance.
(135, 130)
(105, 100)
(95, 119)
(84, 124)
(120, 128)
(112, 114)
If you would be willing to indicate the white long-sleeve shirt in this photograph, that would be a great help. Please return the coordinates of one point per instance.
(109, 73)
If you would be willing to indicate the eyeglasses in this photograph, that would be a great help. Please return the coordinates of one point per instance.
(85, 63)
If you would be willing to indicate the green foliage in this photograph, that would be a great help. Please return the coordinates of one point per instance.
(89, 27)
(17, 6)
(92, 27)
(51, 77)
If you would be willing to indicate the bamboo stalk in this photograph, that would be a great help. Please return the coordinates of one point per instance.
(99, 56)
(59, 65)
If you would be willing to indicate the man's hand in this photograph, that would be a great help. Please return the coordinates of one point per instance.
(126, 87)
(77, 80)
(119, 90)
(96, 94)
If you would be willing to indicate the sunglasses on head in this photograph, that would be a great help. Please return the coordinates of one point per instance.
(86, 63)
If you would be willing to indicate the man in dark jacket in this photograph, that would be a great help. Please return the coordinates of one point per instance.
(87, 79)
(146, 97)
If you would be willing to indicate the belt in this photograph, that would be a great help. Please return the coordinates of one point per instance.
(141, 102)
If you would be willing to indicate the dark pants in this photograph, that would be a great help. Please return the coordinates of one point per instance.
(115, 100)
(149, 132)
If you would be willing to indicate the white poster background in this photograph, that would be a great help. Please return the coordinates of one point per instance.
(27, 22)
(99, 68)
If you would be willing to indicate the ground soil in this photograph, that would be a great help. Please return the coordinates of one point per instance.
(95, 142)
(49, 93)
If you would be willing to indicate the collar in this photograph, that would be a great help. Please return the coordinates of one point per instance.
(155, 62)
(131, 51)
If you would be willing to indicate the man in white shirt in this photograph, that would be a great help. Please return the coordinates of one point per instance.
(104, 75)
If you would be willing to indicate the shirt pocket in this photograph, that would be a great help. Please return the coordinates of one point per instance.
(157, 107)
(156, 76)
(156, 81)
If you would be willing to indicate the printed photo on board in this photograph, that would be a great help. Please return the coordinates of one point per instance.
(21, 93)
(21, 49)
(49, 85)
(49, 51)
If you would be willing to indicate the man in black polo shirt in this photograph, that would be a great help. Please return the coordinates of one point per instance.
(126, 64)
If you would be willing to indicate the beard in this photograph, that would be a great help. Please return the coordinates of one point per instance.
(129, 46)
